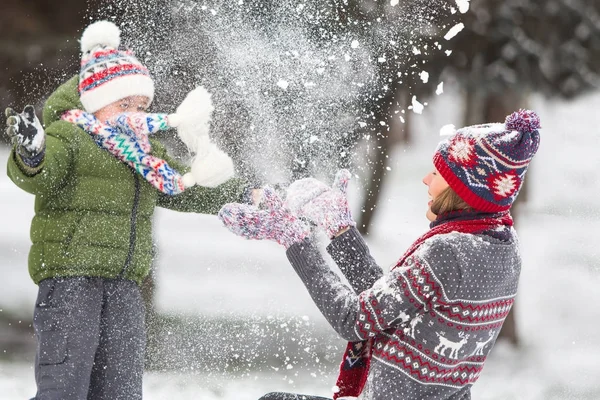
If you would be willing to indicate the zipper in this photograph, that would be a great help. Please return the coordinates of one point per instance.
(132, 234)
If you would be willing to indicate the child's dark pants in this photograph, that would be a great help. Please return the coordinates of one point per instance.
(90, 339)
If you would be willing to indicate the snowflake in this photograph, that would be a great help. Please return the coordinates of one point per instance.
(504, 185)
(462, 151)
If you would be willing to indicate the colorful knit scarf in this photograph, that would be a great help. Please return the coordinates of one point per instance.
(126, 138)
(357, 357)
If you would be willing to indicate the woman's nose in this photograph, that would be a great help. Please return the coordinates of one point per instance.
(426, 179)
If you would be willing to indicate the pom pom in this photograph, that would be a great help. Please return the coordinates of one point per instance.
(188, 180)
(100, 33)
(523, 121)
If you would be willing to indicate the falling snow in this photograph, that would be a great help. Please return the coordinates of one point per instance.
(416, 106)
(454, 31)
(283, 84)
(440, 88)
(448, 129)
(463, 5)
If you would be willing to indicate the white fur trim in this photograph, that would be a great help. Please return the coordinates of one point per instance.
(193, 116)
(100, 33)
(188, 180)
(212, 169)
(117, 89)
(173, 120)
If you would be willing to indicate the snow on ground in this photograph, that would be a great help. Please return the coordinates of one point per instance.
(205, 270)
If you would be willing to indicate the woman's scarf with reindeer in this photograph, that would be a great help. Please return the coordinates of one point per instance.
(126, 138)
(357, 357)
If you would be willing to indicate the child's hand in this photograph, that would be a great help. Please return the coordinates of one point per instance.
(211, 166)
(275, 222)
(25, 131)
(192, 117)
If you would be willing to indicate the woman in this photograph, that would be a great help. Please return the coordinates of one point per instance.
(422, 331)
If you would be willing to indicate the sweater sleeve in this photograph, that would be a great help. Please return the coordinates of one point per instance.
(407, 291)
(352, 256)
(56, 164)
(200, 199)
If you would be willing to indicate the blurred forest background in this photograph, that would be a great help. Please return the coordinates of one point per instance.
(507, 51)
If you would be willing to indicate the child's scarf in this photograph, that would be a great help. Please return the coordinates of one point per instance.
(357, 357)
(126, 138)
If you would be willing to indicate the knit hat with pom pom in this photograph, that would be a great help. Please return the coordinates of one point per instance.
(108, 74)
(486, 164)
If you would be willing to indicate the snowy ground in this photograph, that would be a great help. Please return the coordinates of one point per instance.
(203, 270)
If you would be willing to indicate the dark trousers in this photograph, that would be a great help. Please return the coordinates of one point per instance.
(90, 339)
(290, 396)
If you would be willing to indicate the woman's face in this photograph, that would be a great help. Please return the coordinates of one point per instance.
(125, 105)
(435, 185)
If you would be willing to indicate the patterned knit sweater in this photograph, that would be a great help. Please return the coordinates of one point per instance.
(433, 319)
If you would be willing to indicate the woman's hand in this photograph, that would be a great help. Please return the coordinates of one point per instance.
(275, 222)
(322, 205)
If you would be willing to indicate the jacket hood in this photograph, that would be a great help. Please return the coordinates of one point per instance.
(65, 98)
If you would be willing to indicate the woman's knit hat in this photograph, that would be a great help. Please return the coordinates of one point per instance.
(108, 74)
(486, 164)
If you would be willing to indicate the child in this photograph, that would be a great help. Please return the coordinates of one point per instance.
(424, 330)
(97, 178)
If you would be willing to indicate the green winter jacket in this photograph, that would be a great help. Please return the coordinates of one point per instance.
(93, 213)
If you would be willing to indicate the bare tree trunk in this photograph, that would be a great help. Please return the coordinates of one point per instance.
(382, 112)
(374, 185)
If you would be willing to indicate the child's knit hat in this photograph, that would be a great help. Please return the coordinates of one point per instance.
(486, 164)
(108, 74)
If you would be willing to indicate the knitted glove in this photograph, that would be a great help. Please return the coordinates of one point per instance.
(192, 117)
(275, 222)
(25, 132)
(323, 205)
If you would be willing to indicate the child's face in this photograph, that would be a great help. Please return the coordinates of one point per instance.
(127, 104)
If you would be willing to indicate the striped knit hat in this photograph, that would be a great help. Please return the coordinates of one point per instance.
(486, 164)
(108, 74)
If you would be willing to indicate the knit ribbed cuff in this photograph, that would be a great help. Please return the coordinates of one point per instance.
(463, 191)
(34, 161)
(30, 165)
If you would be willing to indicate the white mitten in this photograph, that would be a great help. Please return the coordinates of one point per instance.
(211, 166)
(192, 117)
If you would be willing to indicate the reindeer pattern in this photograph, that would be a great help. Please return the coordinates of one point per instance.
(479, 346)
(410, 329)
(454, 347)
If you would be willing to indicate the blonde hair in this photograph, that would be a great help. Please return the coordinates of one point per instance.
(448, 201)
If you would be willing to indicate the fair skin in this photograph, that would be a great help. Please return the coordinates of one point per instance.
(436, 184)
(124, 105)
